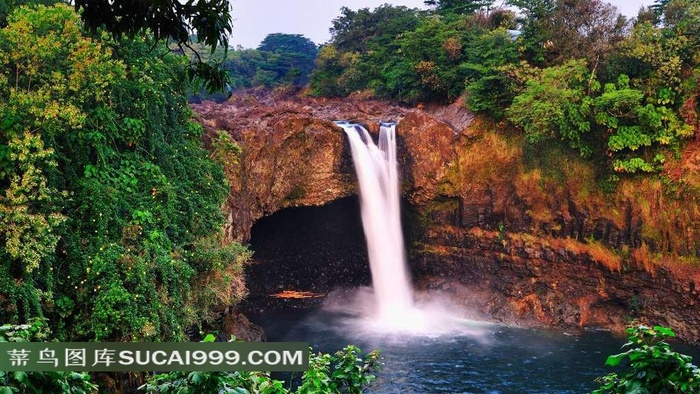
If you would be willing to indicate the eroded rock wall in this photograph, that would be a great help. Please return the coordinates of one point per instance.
(529, 237)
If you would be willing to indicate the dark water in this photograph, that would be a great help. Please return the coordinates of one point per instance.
(483, 358)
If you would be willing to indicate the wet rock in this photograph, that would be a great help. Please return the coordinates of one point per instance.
(238, 326)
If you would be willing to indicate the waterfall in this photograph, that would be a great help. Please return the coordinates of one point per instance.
(377, 174)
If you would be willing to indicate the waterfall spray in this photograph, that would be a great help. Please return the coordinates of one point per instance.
(377, 174)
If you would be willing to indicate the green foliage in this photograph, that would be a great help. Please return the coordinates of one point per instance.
(107, 197)
(651, 366)
(637, 132)
(433, 52)
(635, 126)
(288, 43)
(537, 13)
(364, 30)
(36, 330)
(209, 21)
(556, 104)
(325, 79)
(489, 89)
(345, 372)
(364, 54)
(280, 60)
(458, 6)
(289, 58)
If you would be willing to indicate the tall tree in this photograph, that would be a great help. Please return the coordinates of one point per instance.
(288, 43)
(584, 29)
(459, 6)
(536, 13)
(359, 30)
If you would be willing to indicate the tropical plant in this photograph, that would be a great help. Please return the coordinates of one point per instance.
(639, 131)
(556, 104)
(345, 372)
(32, 382)
(650, 365)
(205, 21)
(108, 200)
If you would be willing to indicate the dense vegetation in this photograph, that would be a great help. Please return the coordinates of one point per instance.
(281, 61)
(110, 206)
(621, 92)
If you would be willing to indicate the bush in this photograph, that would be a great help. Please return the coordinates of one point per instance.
(345, 372)
(39, 382)
(652, 366)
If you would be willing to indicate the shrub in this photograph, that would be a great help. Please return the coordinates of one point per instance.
(345, 372)
(39, 382)
(652, 366)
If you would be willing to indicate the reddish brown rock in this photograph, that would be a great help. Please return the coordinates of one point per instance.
(525, 247)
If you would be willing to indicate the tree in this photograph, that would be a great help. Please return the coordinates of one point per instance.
(584, 29)
(435, 50)
(358, 31)
(536, 14)
(459, 6)
(489, 88)
(290, 59)
(555, 31)
(288, 43)
(364, 45)
(557, 104)
(209, 21)
(638, 132)
(6, 6)
(109, 205)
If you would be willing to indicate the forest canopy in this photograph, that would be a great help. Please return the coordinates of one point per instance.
(622, 92)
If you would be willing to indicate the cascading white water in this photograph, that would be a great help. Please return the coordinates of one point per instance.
(377, 174)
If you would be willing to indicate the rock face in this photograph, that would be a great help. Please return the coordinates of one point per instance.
(527, 281)
(521, 236)
(293, 154)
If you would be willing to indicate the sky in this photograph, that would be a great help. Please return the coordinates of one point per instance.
(255, 19)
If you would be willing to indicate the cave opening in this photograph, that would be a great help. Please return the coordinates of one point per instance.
(302, 253)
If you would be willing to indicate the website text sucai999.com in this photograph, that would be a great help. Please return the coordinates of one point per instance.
(164, 356)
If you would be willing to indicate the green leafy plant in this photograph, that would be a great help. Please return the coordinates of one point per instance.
(651, 366)
(31, 382)
(345, 372)
(110, 207)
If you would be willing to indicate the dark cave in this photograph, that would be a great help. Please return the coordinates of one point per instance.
(307, 249)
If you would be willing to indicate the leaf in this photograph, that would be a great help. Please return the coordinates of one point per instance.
(665, 331)
(209, 338)
(196, 377)
(615, 360)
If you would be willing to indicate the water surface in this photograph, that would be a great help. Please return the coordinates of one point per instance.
(483, 358)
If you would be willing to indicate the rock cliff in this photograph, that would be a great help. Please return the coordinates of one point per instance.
(522, 234)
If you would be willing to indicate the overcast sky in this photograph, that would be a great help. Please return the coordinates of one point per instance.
(254, 19)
